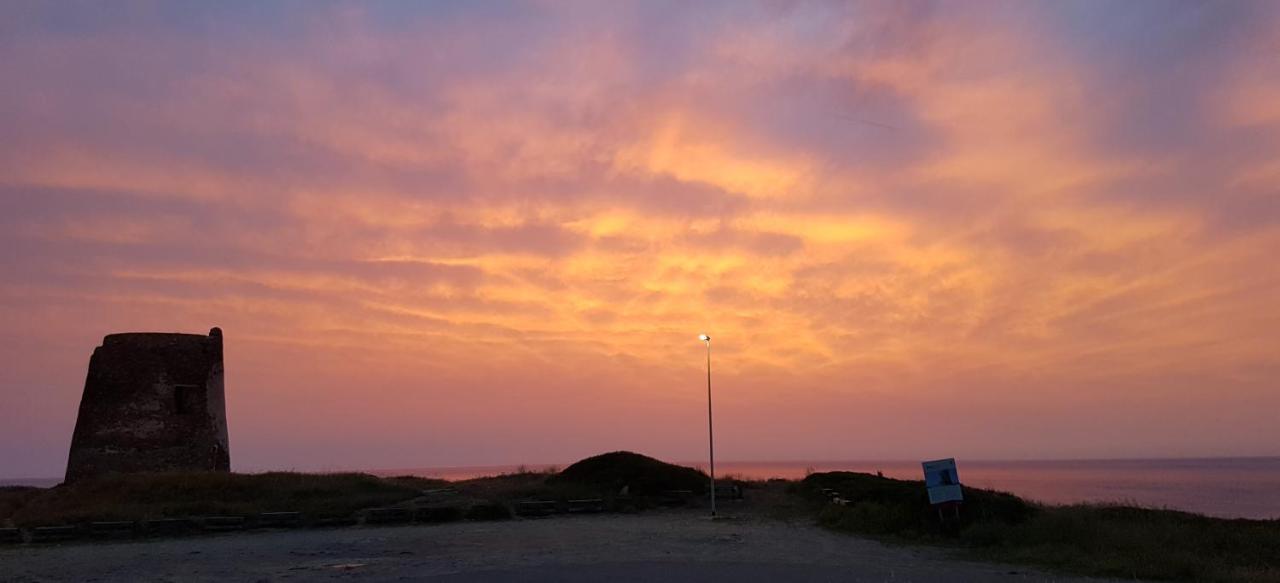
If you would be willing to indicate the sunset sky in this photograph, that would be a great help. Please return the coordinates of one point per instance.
(490, 233)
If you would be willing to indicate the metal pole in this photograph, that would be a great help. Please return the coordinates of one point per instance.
(711, 436)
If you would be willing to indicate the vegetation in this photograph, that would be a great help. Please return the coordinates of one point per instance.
(1103, 540)
(320, 496)
(523, 485)
(640, 475)
(147, 496)
(622, 480)
(14, 497)
(885, 506)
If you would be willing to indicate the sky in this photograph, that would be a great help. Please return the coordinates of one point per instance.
(443, 234)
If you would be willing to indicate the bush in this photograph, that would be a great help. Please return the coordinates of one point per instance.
(609, 473)
(885, 506)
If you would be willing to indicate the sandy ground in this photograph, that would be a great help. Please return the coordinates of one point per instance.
(657, 546)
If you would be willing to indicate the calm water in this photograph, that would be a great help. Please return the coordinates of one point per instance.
(1226, 487)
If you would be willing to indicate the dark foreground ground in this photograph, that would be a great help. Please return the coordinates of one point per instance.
(680, 545)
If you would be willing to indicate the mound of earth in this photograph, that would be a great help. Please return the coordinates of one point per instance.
(640, 475)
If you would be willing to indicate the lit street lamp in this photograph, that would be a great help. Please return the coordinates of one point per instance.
(711, 436)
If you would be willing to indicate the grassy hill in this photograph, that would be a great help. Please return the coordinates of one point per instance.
(1104, 540)
(640, 475)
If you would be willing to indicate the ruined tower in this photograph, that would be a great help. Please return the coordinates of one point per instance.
(152, 402)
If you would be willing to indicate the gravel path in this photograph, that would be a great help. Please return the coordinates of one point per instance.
(657, 546)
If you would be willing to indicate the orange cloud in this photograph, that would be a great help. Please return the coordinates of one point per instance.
(885, 217)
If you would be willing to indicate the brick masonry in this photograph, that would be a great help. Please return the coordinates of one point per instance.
(152, 402)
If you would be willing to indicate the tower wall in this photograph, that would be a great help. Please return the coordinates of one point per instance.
(152, 402)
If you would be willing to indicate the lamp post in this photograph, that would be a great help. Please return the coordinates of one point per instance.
(711, 436)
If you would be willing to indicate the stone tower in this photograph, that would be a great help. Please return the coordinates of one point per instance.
(152, 402)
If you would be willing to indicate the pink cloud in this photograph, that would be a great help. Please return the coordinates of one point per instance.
(420, 226)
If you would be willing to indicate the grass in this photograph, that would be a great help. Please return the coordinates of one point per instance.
(1100, 540)
(623, 480)
(14, 497)
(1139, 542)
(147, 496)
(523, 485)
(318, 496)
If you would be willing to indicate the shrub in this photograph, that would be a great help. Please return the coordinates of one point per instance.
(885, 506)
(641, 475)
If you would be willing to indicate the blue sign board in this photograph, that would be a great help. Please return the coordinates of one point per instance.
(943, 481)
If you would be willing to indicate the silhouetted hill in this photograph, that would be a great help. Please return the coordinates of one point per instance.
(641, 475)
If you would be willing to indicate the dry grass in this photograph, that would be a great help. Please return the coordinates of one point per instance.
(181, 494)
(14, 497)
(147, 496)
(521, 485)
(1100, 540)
(1113, 541)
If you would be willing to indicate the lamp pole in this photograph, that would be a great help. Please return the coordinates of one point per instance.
(711, 435)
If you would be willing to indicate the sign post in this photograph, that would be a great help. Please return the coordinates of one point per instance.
(943, 482)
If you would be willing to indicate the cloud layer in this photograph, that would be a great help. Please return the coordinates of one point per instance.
(490, 234)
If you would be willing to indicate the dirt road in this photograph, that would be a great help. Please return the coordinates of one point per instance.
(658, 546)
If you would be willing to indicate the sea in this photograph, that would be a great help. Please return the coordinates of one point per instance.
(1222, 487)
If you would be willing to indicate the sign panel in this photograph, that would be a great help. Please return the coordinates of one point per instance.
(943, 481)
